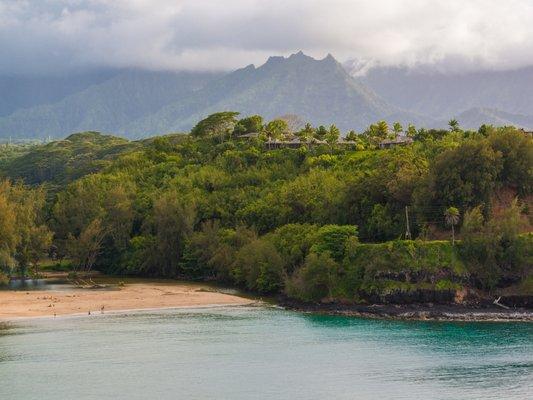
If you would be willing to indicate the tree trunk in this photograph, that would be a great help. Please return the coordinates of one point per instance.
(453, 236)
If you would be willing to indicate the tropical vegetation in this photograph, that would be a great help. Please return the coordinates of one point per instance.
(328, 220)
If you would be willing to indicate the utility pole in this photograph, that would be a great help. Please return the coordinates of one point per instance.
(407, 228)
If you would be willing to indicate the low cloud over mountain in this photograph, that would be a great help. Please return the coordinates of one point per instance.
(46, 37)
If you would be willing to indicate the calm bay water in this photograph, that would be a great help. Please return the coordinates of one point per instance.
(262, 353)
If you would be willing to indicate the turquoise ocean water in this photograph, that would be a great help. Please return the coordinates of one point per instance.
(262, 353)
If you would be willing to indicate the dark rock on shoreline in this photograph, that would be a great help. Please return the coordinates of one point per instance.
(517, 301)
(421, 311)
(411, 297)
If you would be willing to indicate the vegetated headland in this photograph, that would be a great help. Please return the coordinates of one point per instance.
(393, 221)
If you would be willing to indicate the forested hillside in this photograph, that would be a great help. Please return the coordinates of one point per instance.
(142, 103)
(318, 91)
(323, 221)
(65, 160)
(109, 105)
(19, 92)
(138, 104)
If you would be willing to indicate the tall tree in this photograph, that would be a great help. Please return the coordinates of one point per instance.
(85, 248)
(294, 122)
(251, 124)
(172, 222)
(352, 136)
(376, 133)
(451, 216)
(276, 129)
(454, 125)
(9, 237)
(306, 134)
(411, 131)
(464, 176)
(332, 137)
(25, 237)
(104, 198)
(398, 128)
(219, 124)
(320, 133)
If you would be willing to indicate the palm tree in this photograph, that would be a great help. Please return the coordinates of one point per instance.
(451, 216)
(332, 136)
(351, 136)
(398, 129)
(382, 129)
(454, 125)
(275, 130)
(411, 131)
(306, 134)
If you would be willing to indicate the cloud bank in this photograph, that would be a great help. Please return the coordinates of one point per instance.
(45, 36)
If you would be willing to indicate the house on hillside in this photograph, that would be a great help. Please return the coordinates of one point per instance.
(400, 140)
(251, 135)
(291, 142)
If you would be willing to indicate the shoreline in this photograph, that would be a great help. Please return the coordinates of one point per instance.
(145, 296)
(128, 311)
(133, 297)
(415, 312)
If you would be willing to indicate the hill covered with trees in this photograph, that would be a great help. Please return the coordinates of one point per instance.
(111, 103)
(327, 220)
(65, 160)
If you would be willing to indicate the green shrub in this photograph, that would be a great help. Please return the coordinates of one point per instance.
(316, 279)
(407, 256)
(4, 279)
(333, 239)
(445, 284)
(293, 242)
(258, 266)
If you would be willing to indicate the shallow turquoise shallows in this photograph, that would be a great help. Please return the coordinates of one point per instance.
(262, 353)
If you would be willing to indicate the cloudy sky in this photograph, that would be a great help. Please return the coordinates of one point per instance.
(57, 35)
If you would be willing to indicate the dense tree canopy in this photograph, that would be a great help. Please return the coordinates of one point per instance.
(323, 220)
(24, 237)
(220, 124)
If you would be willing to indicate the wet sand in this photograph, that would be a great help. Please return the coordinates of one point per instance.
(136, 296)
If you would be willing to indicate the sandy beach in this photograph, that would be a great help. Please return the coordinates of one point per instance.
(43, 303)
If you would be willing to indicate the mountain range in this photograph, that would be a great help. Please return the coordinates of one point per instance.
(135, 103)
(441, 95)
